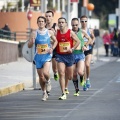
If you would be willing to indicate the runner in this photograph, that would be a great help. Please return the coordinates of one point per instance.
(64, 54)
(79, 56)
(88, 53)
(52, 26)
(43, 54)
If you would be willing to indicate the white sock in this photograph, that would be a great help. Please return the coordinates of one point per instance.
(56, 73)
(48, 81)
(88, 79)
(44, 92)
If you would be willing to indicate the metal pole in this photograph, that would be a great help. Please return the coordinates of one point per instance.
(22, 5)
(58, 3)
(42, 6)
(32, 55)
(119, 15)
(63, 6)
(34, 69)
(68, 18)
(97, 39)
(53, 3)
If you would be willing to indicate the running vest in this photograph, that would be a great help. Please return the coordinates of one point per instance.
(54, 24)
(42, 42)
(65, 42)
(79, 48)
(86, 40)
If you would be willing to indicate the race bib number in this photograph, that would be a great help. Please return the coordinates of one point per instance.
(42, 48)
(64, 46)
(78, 48)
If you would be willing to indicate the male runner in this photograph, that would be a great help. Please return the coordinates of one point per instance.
(88, 52)
(64, 56)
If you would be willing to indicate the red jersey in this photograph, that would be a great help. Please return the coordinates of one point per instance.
(65, 42)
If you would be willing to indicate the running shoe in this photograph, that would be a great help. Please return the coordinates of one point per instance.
(77, 93)
(48, 92)
(56, 77)
(48, 86)
(82, 82)
(63, 97)
(44, 97)
(85, 87)
(66, 91)
(88, 83)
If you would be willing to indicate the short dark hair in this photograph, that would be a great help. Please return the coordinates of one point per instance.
(62, 18)
(75, 19)
(42, 18)
(83, 16)
(50, 11)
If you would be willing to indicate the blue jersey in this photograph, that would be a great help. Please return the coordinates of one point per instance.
(42, 44)
(86, 40)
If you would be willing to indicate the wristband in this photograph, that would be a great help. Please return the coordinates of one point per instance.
(72, 49)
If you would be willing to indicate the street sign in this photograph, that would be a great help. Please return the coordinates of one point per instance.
(74, 1)
(29, 15)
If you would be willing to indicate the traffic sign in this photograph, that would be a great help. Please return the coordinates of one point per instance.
(29, 15)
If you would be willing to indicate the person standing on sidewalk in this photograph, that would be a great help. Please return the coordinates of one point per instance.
(52, 26)
(106, 41)
(43, 53)
(64, 56)
(88, 52)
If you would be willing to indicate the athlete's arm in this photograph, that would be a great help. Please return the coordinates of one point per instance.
(76, 39)
(32, 39)
(92, 36)
(52, 36)
(87, 37)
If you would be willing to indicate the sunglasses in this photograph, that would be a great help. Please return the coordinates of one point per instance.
(83, 21)
(75, 25)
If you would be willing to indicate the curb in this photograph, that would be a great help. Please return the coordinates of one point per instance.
(11, 89)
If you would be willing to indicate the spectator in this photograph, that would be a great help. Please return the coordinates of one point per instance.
(114, 42)
(119, 42)
(106, 41)
(6, 31)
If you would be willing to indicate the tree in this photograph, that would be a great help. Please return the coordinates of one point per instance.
(103, 8)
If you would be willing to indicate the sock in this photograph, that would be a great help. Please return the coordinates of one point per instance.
(56, 73)
(48, 81)
(88, 79)
(44, 92)
(75, 82)
(81, 78)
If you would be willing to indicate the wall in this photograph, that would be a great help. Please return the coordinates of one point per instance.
(8, 51)
(18, 21)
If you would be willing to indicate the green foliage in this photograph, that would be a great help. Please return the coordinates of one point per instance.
(20, 3)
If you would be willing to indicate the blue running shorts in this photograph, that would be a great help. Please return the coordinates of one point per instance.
(67, 59)
(79, 57)
(40, 60)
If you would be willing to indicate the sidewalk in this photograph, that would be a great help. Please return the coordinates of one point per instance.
(17, 76)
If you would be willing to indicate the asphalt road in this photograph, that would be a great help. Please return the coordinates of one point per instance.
(100, 102)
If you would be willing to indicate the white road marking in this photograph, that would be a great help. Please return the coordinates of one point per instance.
(118, 60)
(105, 59)
(118, 80)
